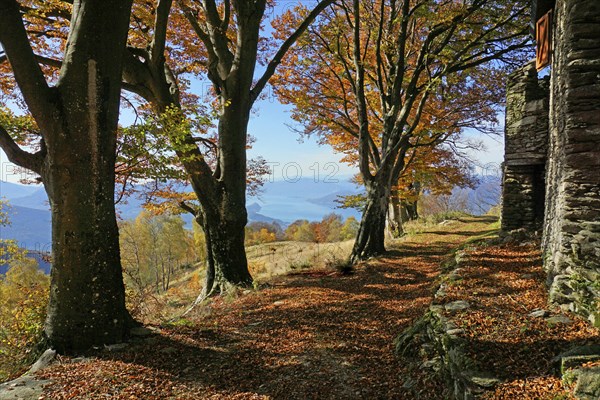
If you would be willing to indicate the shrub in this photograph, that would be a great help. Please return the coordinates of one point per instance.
(23, 303)
(341, 265)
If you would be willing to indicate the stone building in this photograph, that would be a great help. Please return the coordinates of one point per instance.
(526, 145)
(571, 223)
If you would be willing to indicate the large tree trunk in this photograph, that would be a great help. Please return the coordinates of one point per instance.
(222, 196)
(228, 266)
(370, 240)
(225, 217)
(78, 121)
(87, 296)
(396, 215)
(226, 263)
(411, 210)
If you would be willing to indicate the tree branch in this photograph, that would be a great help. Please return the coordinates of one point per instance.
(289, 42)
(379, 61)
(51, 62)
(213, 58)
(227, 17)
(15, 154)
(157, 48)
(186, 207)
(212, 14)
(218, 39)
(363, 132)
(138, 89)
(27, 72)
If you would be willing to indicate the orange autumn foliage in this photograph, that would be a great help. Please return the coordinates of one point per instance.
(318, 79)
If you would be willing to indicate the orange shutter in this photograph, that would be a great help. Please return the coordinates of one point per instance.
(543, 39)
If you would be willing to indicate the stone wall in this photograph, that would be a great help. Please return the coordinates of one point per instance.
(571, 237)
(436, 336)
(526, 144)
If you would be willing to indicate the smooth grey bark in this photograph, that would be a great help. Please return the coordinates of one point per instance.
(399, 212)
(370, 240)
(395, 217)
(77, 119)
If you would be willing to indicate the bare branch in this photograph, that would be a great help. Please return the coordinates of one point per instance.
(15, 154)
(272, 66)
(160, 30)
(27, 72)
(363, 117)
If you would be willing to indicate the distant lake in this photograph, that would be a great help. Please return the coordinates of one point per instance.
(304, 199)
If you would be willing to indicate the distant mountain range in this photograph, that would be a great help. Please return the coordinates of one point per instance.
(486, 194)
(10, 190)
(41, 258)
(30, 227)
(280, 201)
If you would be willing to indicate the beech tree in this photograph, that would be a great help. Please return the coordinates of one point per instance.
(435, 170)
(226, 42)
(76, 113)
(377, 78)
(166, 44)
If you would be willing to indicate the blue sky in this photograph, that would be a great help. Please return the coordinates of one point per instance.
(278, 144)
(286, 149)
(281, 146)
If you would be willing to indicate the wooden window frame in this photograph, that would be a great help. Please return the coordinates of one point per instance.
(543, 41)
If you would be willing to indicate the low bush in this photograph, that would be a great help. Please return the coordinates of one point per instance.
(23, 304)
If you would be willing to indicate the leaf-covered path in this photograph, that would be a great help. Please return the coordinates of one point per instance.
(315, 335)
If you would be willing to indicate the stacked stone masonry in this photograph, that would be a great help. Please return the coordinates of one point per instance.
(571, 217)
(571, 240)
(526, 146)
